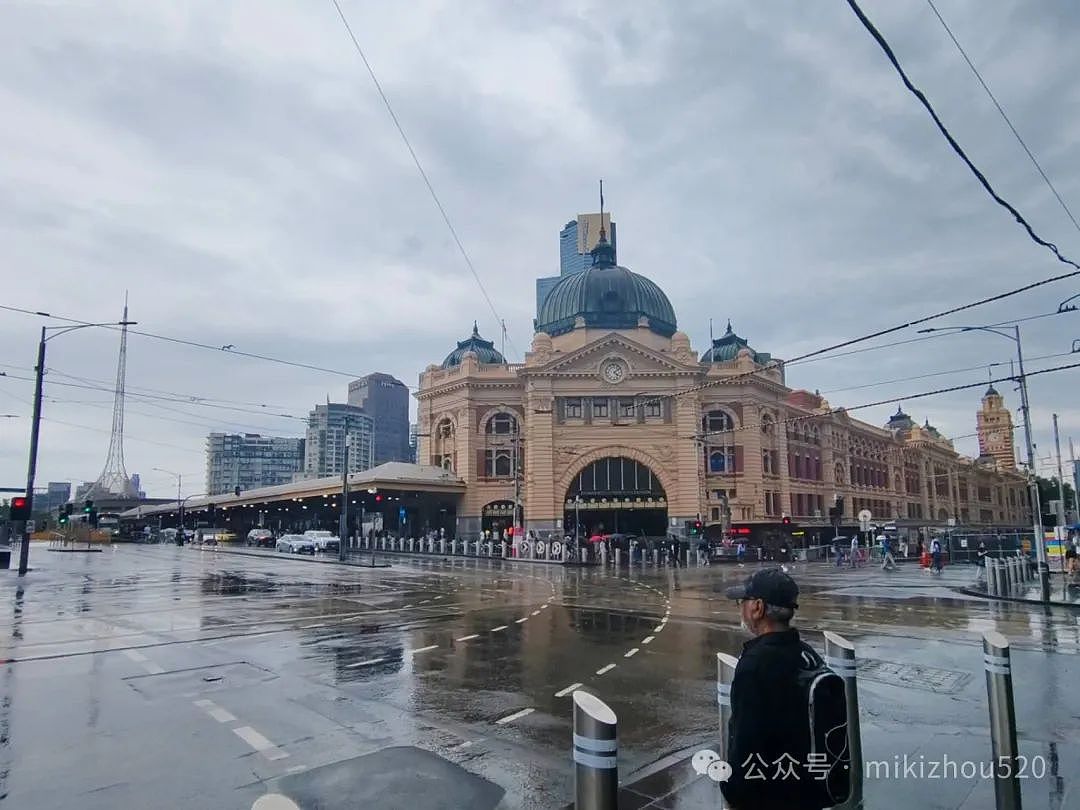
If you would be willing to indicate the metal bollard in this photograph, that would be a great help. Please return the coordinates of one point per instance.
(725, 674)
(999, 693)
(596, 747)
(490, 548)
(442, 546)
(603, 555)
(502, 549)
(656, 557)
(1006, 578)
(618, 558)
(991, 576)
(840, 656)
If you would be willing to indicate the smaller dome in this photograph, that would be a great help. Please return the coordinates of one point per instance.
(900, 421)
(933, 431)
(484, 350)
(726, 348)
(991, 392)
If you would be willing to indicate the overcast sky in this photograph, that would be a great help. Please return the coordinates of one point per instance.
(230, 165)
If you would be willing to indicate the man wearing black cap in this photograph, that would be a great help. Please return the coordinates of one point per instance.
(769, 729)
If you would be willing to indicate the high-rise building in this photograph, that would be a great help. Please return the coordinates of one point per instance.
(386, 400)
(994, 425)
(329, 426)
(58, 493)
(414, 429)
(248, 460)
(136, 484)
(576, 241)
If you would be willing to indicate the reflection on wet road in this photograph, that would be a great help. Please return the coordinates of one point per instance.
(126, 672)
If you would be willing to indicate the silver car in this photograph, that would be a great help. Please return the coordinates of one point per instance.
(295, 544)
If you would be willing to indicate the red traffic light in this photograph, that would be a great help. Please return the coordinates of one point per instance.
(20, 508)
(786, 521)
(378, 499)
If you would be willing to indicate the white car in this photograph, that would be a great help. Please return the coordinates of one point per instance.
(323, 540)
(295, 544)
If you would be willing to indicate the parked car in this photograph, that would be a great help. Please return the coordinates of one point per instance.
(295, 544)
(261, 538)
(323, 540)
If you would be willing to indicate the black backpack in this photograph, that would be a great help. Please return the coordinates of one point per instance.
(827, 770)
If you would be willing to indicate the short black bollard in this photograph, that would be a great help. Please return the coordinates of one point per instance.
(596, 747)
(999, 692)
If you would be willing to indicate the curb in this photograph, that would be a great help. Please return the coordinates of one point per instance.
(1017, 599)
(407, 554)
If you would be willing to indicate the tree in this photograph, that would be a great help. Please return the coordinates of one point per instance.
(1048, 491)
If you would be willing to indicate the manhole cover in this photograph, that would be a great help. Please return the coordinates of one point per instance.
(918, 676)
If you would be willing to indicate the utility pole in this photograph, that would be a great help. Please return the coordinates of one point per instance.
(1033, 484)
(1061, 483)
(1076, 480)
(343, 531)
(35, 430)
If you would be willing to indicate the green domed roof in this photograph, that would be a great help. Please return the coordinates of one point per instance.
(726, 348)
(484, 349)
(605, 296)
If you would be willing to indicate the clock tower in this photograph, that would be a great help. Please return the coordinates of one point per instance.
(995, 427)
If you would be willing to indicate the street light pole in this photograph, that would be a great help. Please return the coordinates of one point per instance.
(1033, 486)
(343, 530)
(179, 481)
(35, 426)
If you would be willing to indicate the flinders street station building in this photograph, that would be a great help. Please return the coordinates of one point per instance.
(616, 423)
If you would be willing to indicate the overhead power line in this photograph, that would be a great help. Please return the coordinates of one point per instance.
(1005, 117)
(420, 168)
(952, 141)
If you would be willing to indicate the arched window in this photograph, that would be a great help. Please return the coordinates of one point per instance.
(722, 460)
(498, 463)
(445, 429)
(502, 424)
(716, 421)
(767, 424)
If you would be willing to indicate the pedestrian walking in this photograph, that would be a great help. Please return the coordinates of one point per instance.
(935, 556)
(787, 708)
(980, 562)
(854, 561)
(740, 552)
(887, 561)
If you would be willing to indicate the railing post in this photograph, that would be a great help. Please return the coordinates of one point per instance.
(656, 557)
(603, 554)
(840, 656)
(991, 576)
(999, 693)
(618, 558)
(596, 747)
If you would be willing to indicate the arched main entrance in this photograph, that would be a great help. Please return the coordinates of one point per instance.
(616, 495)
(497, 516)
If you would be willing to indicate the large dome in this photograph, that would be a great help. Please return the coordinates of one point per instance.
(606, 296)
(484, 350)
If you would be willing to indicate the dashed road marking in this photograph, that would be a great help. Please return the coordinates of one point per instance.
(215, 711)
(647, 639)
(522, 619)
(631, 653)
(469, 637)
(544, 606)
(428, 648)
(259, 743)
(500, 627)
(368, 663)
(510, 718)
(313, 626)
(567, 690)
(276, 801)
(604, 669)
(535, 613)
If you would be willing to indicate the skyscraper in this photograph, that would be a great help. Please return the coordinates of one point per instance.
(58, 493)
(386, 400)
(576, 241)
(995, 428)
(328, 427)
(248, 461)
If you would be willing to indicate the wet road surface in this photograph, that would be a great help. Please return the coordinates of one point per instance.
(159, 677)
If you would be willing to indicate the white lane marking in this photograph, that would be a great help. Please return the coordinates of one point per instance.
(153, 668)
(259, 743)
(469, 637)
(429, 648)
(604, 669)
(312, 626)
(647, 639)
(215, 711)
(368, 663)
(500, 627)
(275, 801)
(135, 655)
(510, 718)
(544, 606)
(567, 690)
(437, 597)
(522, 619)
(535, 613)
(427, 601)
(631, 653)
(658, 628)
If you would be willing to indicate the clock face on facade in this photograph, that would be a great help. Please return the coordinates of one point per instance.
(613, 371)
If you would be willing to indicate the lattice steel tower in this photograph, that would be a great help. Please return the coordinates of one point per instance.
(114, 480)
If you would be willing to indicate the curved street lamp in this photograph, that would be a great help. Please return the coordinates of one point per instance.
(1033, 486)
(35, 427)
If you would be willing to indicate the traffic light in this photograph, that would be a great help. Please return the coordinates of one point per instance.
(236, 491)
(62, 518)
(91, 517)
(697, 527)
(88, 506)
(786, 521)
(378, 499)
(21, 507)
(694, 528)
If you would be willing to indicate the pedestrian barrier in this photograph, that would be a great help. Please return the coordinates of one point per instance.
(596, 746)
(840, 656)
(999, 692)
(618, 558)
(725, 674)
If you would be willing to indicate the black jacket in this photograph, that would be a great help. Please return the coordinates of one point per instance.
(769, 719)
